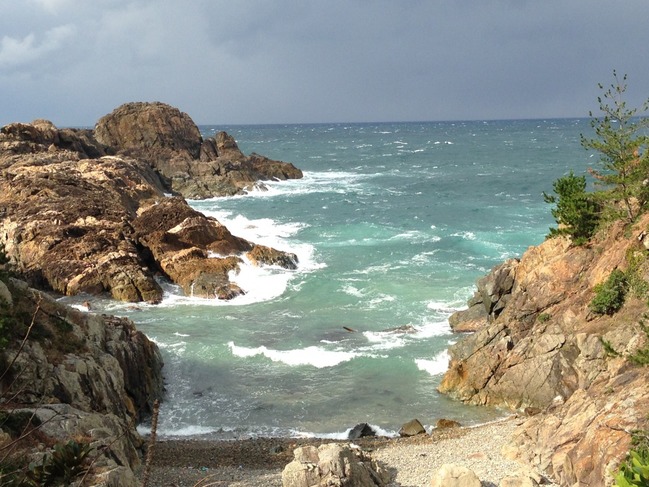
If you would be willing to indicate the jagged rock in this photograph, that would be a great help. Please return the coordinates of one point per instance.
(170, 142)
(545, 351)
(452, 475)
(262, 255)
(361, 430)
(83, 376)
(491, 297)
(412, 428)
(196, 251)
(469, 320)
(79, 225)
(5, 294)
(333, 464)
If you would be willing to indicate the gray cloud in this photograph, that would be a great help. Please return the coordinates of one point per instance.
(307, 61)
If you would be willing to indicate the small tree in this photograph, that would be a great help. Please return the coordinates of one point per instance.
(577, 212)
(622, 147)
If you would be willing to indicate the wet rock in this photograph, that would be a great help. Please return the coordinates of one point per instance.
(412, 428)
(361, 430)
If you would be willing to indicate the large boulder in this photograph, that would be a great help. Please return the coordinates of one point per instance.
(333, 464)
(171, 143)
(452, 475)
(150, 131)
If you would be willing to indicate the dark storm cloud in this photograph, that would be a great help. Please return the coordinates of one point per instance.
(305, 61)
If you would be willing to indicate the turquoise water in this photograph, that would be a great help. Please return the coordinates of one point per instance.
(392, 224)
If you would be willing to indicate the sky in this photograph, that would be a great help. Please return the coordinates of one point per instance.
(302, 61)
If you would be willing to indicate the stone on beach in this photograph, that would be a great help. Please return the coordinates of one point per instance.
(452, 475)
(333, 464)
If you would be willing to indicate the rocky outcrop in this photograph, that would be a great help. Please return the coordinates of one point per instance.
(185, 244)
(492, 294)
(78, 219)
(83, 376)
(333, 464)
(545, 351)
(171, 143)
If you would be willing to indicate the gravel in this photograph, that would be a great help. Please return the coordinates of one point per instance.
(259, 462)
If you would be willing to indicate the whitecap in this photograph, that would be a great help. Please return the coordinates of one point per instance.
(436, 366)
(314, 356)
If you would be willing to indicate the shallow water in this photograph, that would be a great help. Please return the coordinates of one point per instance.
(392, 224)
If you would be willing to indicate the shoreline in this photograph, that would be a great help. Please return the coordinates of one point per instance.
(260, 461)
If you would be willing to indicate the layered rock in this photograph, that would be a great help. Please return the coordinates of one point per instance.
(78, 219)
(84, 376)
(171, 143)
(545, 351)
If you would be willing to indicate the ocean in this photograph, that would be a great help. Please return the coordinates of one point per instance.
(392, 224)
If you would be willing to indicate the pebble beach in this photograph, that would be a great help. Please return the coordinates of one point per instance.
(259, 462)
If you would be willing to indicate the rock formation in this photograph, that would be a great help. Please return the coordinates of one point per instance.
(81, 376)
(545, 350)
(171, 143)
(333, 464)
(76, 217)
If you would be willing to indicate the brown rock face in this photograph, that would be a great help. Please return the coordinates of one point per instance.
(171, 143)
(150, 131)
(185, 243)
(76, 219)
(544, 351)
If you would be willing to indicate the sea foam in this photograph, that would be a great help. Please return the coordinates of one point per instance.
(435, 366)
(314, 356)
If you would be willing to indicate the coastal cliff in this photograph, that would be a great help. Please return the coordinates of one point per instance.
(539, 347)
(72, 376)
(87, 211)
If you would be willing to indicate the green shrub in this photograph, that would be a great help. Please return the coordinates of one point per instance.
(543, 318)
(610, 294)
(576, 212)
(634, 472)
(641, 357)
(68, 462)
(636, 260)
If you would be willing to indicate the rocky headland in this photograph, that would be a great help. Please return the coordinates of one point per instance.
(103, 210)
(99, 212)
(538, 347)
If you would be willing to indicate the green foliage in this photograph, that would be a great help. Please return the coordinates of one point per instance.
(636, 259)
(68, 462)
(641, 357)
(543, 317)
(622, 147)
(610, 294)
(634, 472)
(608, 348)
(576, 212)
